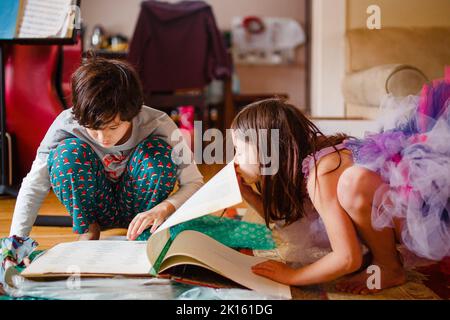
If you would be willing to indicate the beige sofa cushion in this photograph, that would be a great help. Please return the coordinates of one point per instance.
(361, 111)
(369, 86)
(426, 48)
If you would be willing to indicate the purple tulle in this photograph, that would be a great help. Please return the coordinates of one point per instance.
(434, 96)
(413, 159)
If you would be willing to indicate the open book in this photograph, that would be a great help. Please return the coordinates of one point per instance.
(37, 19)
(161, 254)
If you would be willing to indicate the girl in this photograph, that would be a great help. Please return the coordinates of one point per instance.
(387, 188)
(108, 159)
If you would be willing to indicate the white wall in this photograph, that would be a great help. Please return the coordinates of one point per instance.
(401, 13)
(328, 57)
(117, 16)
(120, 16)
(354, 128)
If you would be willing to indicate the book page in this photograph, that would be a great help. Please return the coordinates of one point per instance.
(156, 244)
(223, 260)
(92, 257)
(45, 18)
(221, 192)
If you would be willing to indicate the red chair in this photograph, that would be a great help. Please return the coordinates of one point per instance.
(32, 101)
(71, 59)
(33, 95)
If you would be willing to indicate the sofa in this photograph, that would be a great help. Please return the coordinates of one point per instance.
(395, 61)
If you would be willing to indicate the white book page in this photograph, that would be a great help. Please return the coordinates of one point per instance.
(221, 192)
(44, 18)
(223, 260)
(156, 244)
(99, 257)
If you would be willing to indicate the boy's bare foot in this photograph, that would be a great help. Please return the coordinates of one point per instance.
(357, 284)
(92, 234)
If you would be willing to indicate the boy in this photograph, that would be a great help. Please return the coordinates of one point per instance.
(108, 158)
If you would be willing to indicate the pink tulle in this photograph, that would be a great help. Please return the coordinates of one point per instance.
(413, 159)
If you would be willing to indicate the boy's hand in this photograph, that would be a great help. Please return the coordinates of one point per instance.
(155, 216)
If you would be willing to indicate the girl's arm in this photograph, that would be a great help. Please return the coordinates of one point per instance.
(251, 197)
(34, 189)
(346, 256)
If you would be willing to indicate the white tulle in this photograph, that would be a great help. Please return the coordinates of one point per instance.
(416, 169)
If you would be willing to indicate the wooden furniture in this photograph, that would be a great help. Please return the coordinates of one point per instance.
(29, 92)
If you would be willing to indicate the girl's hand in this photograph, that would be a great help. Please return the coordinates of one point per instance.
(155, 216)
(276, 271)
(246, 190)
(250, 196)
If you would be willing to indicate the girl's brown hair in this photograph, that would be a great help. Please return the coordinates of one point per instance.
(284, 192)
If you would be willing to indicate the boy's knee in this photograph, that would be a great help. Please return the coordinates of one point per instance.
(68, 158)
(72, 149)
(154, 154)
(154, 143)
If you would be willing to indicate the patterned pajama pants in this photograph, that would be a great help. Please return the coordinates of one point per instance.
(79, 180)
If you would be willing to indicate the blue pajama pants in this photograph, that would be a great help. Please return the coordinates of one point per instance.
(79, 180)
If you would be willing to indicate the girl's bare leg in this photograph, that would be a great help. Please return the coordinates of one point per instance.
(356, 189)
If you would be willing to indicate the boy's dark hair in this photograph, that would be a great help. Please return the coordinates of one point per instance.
(104, 88)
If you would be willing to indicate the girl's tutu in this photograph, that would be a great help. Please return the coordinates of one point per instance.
(411, 153)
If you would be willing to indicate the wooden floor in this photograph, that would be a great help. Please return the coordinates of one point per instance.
(49, 236)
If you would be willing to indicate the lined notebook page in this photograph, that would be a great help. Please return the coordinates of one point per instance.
(45, 18)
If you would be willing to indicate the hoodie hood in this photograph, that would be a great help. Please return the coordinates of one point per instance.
(165, 11)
